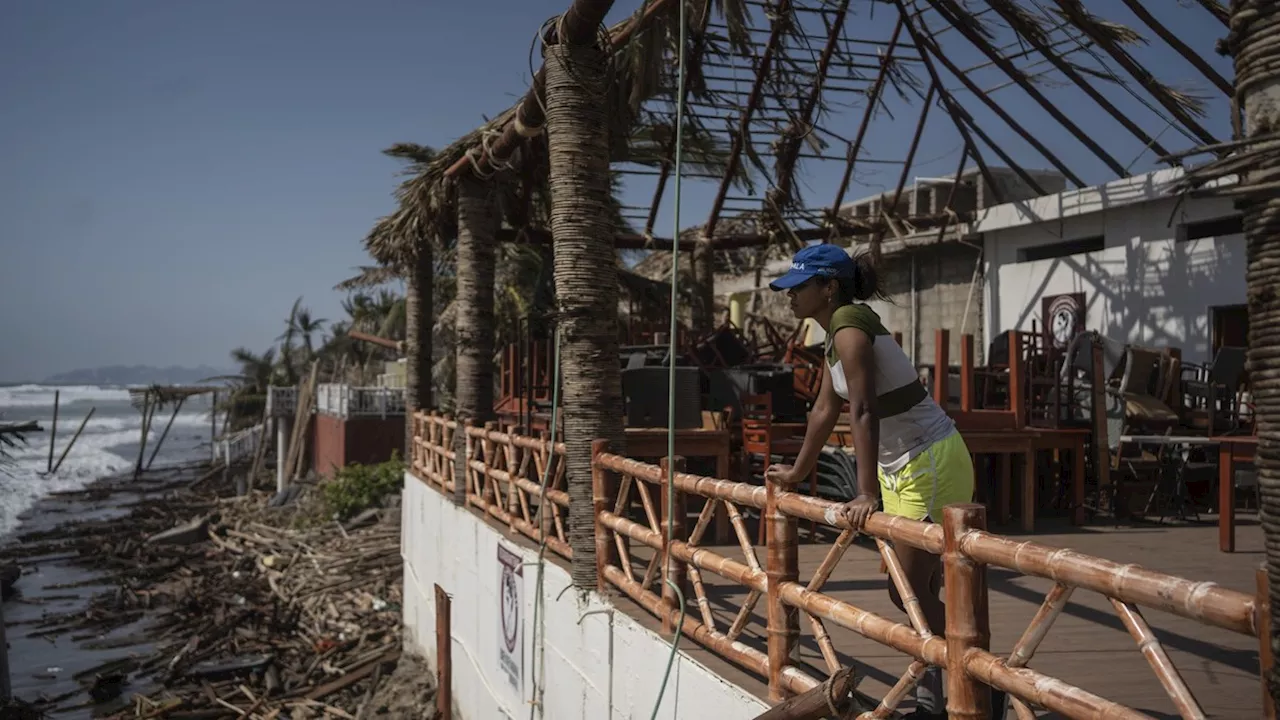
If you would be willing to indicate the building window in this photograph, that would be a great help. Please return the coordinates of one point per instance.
(1062, 249)
(1215, 228)
(1229, 326)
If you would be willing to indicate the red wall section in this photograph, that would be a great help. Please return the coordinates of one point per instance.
(365, 440)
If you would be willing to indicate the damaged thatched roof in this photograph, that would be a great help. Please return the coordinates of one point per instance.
(767, 83)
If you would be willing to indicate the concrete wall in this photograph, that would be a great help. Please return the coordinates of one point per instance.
(1145, 286)
(943, 289)
(598, 666)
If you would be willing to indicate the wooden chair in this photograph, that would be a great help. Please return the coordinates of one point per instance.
(759, 437)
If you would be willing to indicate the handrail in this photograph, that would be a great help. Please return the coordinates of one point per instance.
(500, 462)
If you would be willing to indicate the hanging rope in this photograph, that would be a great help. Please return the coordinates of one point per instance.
(671, 358)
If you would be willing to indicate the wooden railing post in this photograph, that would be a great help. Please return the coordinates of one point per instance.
(602, 492)
(672, 569)
(781, 565)
(968, 625)
(1266, 661)
(942, 368)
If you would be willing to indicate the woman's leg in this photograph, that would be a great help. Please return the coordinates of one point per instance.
(923, 571)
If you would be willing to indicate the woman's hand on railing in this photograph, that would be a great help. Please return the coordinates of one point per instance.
(781, 474)
(858, 510)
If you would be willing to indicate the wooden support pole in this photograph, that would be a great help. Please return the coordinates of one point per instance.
(74, 437)
(673, 571)
(444, 655)
(602, 492)
(148, 409)
(53, 430)
(835, 693)
(781, 567)
(213, 428)
(968, 625)
(167, 426)
(1266, 661)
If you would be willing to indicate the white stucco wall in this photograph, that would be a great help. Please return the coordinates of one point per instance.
(1143, 287)
(599, 665)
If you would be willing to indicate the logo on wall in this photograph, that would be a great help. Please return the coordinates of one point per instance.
(1063, 317)
(511, 617)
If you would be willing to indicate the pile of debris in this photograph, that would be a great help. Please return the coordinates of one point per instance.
(247, 611)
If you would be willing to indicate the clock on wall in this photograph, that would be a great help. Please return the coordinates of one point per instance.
(1063, 317)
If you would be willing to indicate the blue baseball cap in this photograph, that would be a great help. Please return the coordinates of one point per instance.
(822, 260)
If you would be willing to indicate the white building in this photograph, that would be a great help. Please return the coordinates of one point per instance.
(1147, 267)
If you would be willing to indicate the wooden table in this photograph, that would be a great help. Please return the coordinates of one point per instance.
(1006, 444)
(1232, 449)
(651, 443)
(693, 442)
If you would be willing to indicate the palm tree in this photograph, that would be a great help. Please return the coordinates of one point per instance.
(586, 273)
(473, 327)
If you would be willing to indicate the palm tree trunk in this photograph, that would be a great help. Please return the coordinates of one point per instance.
(1255, 25)
(477, 251)
(586, 275)
(417, 337)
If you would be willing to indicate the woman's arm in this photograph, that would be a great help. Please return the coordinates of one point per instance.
(854, 348)
(822, 420)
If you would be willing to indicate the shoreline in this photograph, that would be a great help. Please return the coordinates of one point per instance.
(169, 596)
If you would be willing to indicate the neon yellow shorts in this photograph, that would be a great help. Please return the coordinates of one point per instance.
(940, 476)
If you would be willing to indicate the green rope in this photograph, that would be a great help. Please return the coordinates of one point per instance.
(671, 369)
(540, 661)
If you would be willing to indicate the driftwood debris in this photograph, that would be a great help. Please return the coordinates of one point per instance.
(249, 611)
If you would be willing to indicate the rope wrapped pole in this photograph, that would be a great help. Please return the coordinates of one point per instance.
(577, 27)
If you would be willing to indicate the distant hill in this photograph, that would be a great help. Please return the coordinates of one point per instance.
(135, 375)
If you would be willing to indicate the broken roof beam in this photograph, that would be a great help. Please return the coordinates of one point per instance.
(906, 170)
(784, 166)
(953, 108)
(873, 100)
(1011, 14)
(1181, 48)
(948, 10)
(779, 12)
(931, 47)
(1090, 26)
(579, 24)
(695, 57)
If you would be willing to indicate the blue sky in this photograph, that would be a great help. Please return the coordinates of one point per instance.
(173, 175)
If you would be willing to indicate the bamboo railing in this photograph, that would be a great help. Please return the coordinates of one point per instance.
(634, 556)
(505, 471)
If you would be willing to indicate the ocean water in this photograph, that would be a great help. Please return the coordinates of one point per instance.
(108, 445)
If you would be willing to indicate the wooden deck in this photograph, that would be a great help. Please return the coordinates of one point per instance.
(1087, 646)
